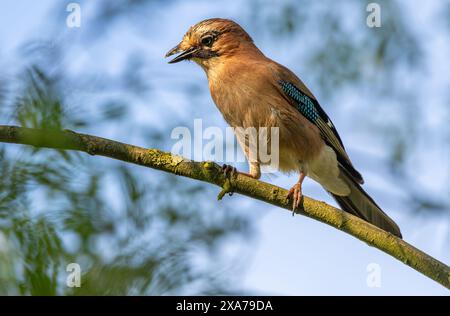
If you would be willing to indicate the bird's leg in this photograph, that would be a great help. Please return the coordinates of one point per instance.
(230, 171)
(295, 193)
(255, 171)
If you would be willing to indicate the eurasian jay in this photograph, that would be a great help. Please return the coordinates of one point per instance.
(252, 90)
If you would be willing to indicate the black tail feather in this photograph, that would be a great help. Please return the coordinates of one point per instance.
(360, 204)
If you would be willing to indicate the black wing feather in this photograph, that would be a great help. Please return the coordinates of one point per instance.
(311, 109)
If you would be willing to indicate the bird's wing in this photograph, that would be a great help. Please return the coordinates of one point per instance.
(308, 106)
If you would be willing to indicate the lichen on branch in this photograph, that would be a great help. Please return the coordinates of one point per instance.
(212, 173)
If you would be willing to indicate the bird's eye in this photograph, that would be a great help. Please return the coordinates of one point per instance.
(207, 40)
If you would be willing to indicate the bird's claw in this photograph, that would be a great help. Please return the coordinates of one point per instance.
(228, 170)
(295, 195)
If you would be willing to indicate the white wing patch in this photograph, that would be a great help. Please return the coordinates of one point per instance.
(324, 169)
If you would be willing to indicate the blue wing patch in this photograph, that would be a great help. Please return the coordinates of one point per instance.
(312, 111)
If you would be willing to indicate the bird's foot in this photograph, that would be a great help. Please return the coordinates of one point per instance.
(228, 171)
(295, 195)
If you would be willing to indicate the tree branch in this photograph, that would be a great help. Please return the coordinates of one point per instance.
(210, 172)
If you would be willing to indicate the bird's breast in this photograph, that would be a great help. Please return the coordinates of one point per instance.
(252, 100)
(241, 103)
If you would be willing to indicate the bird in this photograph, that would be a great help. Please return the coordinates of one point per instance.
(252, 90)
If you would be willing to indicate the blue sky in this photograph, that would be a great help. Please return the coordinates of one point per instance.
(291, 256)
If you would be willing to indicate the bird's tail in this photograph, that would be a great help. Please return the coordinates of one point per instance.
(359, 203)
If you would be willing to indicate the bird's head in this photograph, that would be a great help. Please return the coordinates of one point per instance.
(210, 41)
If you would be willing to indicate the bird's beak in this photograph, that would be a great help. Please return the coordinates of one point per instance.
(184, 54)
